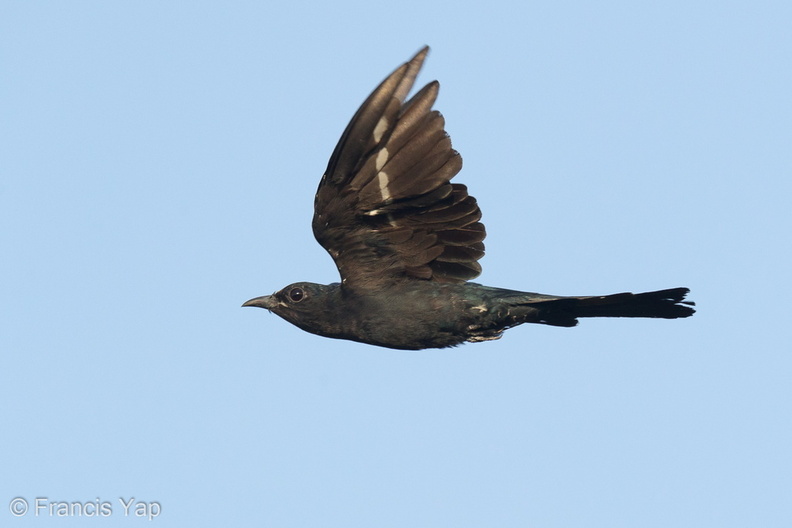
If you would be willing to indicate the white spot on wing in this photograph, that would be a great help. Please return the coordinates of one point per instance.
(382, 158)
(382, 179)
(382, 126)
(481, 308)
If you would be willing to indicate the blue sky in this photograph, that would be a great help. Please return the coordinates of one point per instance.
(157, 168)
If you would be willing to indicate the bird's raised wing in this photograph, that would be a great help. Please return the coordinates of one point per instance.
(385, 209)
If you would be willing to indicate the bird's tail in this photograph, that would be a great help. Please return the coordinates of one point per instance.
(665, 304)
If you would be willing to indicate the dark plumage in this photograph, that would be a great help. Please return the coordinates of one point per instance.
(406, 240)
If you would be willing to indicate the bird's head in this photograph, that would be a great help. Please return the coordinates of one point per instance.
(303, 304)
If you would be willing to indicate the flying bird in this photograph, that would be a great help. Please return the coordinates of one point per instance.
(406, 241)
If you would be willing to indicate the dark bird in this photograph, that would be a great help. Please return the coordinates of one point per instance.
(406, 241)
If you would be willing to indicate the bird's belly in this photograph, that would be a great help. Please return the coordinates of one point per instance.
(417, 320)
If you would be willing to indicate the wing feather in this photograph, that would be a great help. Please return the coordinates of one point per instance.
(385, 209)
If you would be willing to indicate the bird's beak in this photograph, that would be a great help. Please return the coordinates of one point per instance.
(267, 301)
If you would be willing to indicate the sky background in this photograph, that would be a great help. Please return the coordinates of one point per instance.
(158, 162)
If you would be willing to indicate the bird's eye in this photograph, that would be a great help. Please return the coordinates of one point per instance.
(296, 295)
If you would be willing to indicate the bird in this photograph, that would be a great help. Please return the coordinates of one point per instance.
(406, 241)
